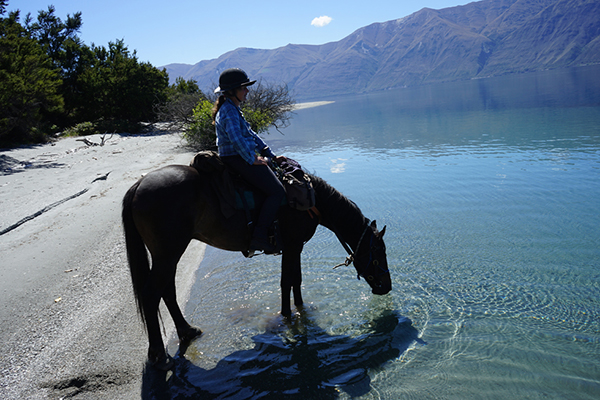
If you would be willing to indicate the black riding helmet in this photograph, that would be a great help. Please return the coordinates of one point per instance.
(233, 78)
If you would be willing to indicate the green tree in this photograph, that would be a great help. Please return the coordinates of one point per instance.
(177, 112)
(49, 77)
(181, 86)
(68, 53)
(55, 36)
(118, 87)
(29, 83)
(99, 84)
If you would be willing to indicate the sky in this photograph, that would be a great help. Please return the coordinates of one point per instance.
(179, 31)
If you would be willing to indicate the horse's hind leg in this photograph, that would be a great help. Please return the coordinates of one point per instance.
(153, 291)
(161, 284)
(185, 331)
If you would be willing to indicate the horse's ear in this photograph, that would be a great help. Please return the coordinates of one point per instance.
(382, 232)
(374, 225)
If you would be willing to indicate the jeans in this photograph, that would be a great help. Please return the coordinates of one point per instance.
(265, 180)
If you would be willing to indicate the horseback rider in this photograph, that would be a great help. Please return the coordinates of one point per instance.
(245, 152)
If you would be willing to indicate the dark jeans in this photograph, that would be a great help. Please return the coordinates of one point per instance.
(263, 178)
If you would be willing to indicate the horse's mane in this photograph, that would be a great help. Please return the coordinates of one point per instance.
(338, 212)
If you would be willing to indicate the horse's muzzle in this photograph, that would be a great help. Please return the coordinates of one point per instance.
(381, 290)
(382, 287)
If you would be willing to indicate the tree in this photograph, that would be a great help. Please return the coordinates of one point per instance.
(268, 105)
(60, 42)
(29, 83)
(48, 77)
(178, 109)
(118, 87)
(55, 36)
(99, 84)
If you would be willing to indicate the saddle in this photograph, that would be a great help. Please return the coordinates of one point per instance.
(208, 163)
(234, 193)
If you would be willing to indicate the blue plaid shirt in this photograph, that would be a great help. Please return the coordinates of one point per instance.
(235, 137)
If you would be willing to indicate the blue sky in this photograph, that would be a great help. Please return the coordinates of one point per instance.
(179, 31)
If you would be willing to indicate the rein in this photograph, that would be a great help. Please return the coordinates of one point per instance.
(351, 254)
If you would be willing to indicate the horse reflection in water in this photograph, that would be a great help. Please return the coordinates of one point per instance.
(302, 362)
(169, 207)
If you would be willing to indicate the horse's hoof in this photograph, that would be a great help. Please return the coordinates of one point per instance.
(190, 334)
(160, 360)
(187, 337)
(163, 363)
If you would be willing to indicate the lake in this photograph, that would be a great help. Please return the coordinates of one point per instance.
(490, 191)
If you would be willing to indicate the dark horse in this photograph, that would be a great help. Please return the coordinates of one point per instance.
(169, 207)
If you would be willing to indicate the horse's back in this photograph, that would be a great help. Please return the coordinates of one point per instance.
(167, 179)
(166, 204)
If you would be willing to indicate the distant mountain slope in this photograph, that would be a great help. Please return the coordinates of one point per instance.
(486, 38)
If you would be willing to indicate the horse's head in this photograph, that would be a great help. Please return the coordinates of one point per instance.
(370, 260)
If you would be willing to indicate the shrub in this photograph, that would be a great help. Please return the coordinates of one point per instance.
(81, 129)
(102, 126)
(200, 134)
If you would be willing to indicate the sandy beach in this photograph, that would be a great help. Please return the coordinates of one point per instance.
(68, 321)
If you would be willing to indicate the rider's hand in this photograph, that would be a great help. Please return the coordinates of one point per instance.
(280, 159)
(260, 161)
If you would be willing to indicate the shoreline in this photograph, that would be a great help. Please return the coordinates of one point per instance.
(68, 317)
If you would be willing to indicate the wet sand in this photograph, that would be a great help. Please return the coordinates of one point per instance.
(68, 322)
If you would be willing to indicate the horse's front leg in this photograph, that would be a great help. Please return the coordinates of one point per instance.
(286, 307)
(291, 279)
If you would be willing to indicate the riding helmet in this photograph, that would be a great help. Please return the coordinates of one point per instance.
(233, 78)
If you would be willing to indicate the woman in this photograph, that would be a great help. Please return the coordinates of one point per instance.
(246, 153)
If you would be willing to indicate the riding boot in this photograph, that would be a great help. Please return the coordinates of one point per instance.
(260, 241)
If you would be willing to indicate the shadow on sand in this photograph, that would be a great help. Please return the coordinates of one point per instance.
(301, 361)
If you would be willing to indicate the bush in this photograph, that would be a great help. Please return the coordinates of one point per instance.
(102, 126)
(259, 120)
(200, 134)
(82, 129)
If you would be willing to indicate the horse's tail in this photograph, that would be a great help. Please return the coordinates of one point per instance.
(137, 256)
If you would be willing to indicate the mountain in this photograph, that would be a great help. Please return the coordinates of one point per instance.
(477, 40)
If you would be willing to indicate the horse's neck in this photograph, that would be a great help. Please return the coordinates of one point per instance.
(342, 216)
(349, 233)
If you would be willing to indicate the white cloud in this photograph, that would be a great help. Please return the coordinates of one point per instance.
(321, 21)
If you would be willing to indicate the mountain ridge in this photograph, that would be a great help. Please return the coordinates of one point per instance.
(476, 40)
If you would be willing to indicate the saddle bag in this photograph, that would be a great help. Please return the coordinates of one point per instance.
(298, 186)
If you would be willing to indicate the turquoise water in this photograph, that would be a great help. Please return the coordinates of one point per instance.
(490, 192)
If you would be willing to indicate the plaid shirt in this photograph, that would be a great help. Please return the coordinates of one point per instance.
(235, 137)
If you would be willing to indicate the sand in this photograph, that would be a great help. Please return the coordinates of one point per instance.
(68, 322)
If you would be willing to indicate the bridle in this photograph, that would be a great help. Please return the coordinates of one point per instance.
(352, 255)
